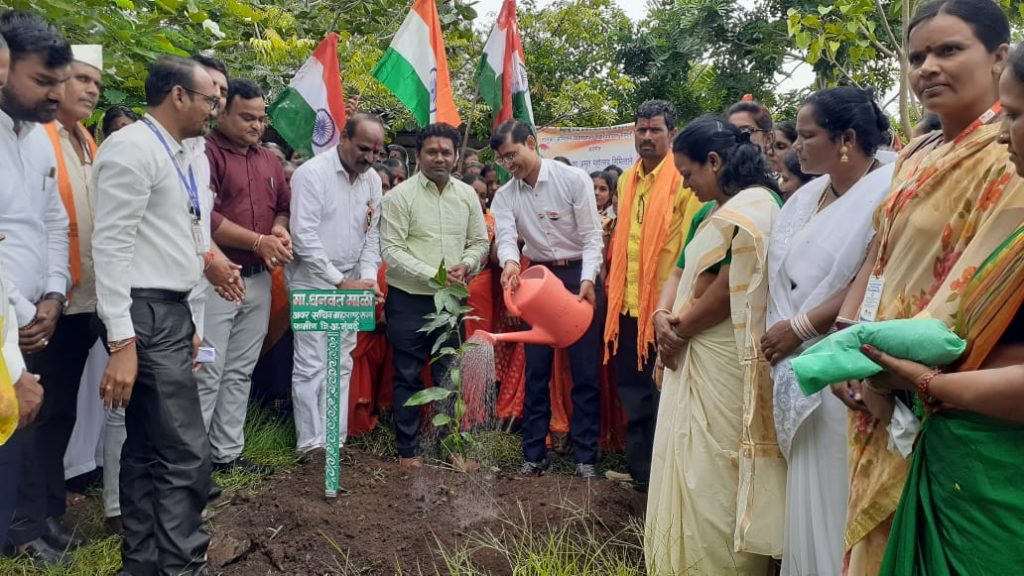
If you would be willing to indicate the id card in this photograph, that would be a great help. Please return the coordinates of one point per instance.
(872, 299)
(197, 237)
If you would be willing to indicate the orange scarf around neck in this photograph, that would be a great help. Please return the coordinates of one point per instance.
(656, 220)
(67, 195)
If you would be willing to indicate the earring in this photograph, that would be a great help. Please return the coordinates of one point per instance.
(844, 158)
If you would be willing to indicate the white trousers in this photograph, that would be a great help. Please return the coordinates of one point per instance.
(236, 333)
(309, 387)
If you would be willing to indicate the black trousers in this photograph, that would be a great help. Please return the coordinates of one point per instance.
(584, 362)
(41, 493)
(405, 315)
(639, 396)
(165, 462)
(10, 465)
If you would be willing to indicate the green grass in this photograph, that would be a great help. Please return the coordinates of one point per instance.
(579, 546)
(269, 439)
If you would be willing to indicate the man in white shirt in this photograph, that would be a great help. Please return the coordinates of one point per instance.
(62, 361)
(149, 251)
(552, 207)
(32, 217)
(26, 388)
(335, 211)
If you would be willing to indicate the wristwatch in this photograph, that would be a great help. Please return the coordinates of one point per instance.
(60, 298)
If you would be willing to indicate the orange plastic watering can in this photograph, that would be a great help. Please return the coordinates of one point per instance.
(557, 316)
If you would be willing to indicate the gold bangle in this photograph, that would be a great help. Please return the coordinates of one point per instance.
(655, 313)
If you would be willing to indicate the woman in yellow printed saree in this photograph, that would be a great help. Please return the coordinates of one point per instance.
(962, 506)
(954, 200)
(704, 515)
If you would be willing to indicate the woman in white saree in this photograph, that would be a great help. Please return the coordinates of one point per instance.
(704, 514)
(817, 246)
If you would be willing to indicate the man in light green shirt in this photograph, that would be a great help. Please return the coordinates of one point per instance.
(429, 220)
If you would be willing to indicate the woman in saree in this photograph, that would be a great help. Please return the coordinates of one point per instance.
(818, 244)
(954, 199)
(702, 514)
(962, 507)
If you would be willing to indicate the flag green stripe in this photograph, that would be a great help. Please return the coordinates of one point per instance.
(519, 108)
(395, 72)
(490, 84)
(293, 119)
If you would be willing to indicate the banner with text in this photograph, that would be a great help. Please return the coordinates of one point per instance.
(590, 148)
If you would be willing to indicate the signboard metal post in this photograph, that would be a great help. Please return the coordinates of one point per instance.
(333, 312)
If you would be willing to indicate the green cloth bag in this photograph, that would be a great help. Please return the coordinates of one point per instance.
(838, 358)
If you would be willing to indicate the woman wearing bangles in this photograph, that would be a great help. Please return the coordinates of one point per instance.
(709, 311)
(954, 199)
(818, 245)
(962, 507)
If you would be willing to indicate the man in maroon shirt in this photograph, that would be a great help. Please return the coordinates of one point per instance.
(250, 223)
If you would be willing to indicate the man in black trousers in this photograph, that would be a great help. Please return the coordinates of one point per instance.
(148, 249)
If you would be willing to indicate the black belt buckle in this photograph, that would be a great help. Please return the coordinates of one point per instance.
(252, 270)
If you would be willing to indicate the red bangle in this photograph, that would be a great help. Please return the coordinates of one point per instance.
(207, 260)
(923, 387)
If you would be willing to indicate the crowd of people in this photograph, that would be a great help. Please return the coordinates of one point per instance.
(732, 245)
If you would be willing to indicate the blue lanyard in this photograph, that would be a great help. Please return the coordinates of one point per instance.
(190, 184)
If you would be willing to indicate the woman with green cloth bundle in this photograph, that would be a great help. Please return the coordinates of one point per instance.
(962, 508)
(703, 516)
(817, 246)
(954, 200)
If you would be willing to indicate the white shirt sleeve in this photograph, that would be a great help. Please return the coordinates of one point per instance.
(369, 257)
(58, 275)
(307, 205)
(122, 193)
(12, 354)
(588, 222)
(505, 231)
(25, 310)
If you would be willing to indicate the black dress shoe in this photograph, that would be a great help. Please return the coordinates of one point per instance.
(59, 537)
(215, 491)
(39, 552)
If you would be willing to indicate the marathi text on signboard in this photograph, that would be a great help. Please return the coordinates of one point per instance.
(333, 311)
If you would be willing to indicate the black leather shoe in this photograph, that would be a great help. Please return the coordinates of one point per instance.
(533, 468)
(241, 463)
(215, 491)
(59, 537)
(39, 552)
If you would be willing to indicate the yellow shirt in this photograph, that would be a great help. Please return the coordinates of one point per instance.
(685, 206)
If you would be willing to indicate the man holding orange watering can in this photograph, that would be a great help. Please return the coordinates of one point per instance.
(551, 206)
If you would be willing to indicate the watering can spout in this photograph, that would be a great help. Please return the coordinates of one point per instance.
(534, 336)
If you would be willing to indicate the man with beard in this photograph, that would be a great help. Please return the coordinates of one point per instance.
(335, 208)
(427, 221)
(654, 211)
(35, 253)
(42, 497)
(149, 252)
(250, 223)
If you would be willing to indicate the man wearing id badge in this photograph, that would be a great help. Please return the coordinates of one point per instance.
(148, 250)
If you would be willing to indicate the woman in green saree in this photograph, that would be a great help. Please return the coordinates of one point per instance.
(962, 508)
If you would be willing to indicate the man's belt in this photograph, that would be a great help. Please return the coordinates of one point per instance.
(159, 294)
(253, 270)
(563, 263)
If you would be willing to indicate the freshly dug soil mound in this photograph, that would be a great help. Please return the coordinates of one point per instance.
(388, 519)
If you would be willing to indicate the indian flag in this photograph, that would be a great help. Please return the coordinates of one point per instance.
(502, 71)
(415, 67)
(310, 114)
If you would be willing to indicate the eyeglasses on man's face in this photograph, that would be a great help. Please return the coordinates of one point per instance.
(213, 101)
(506, 159)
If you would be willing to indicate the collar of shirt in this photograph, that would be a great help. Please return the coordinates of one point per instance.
(543, 176)
(218, 139)
(177, 148)
(339, 167)
(657, 169)
(428, 184)
(14, 129)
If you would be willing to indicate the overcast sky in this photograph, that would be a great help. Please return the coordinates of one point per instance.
(487, 10)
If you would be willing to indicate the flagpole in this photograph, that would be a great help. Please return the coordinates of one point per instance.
(469, 124)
